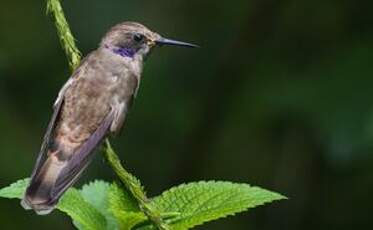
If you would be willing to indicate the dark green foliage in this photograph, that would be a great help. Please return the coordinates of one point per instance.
(100, 205)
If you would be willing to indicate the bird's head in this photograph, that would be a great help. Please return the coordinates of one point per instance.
(131, 39)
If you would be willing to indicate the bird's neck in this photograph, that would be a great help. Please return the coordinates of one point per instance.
(124, 57)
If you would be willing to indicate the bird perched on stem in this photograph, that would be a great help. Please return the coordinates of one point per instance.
(92, 104)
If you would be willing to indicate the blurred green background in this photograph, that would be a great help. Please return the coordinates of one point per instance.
(279, 95)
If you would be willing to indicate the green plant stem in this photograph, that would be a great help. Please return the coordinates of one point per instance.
(67, 40)
(135, 188)
(73, 54)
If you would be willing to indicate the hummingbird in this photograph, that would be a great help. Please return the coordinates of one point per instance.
(92, 105)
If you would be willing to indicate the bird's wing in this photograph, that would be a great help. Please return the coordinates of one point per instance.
(56, 113)
(54, 177)
(81, 157)
(35, 182)
(52, 124)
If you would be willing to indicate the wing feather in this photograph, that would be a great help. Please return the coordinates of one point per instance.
(50, 129)
(81, 157)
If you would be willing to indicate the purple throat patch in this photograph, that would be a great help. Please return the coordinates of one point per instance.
(123, 51)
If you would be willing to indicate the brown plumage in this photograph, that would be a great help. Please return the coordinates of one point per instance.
(92, 104)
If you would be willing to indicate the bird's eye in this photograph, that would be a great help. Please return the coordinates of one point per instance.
(138, 37)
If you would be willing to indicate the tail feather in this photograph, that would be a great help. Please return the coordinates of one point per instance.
(39, 194)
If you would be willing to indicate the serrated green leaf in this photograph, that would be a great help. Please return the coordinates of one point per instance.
(124, 208)
(15, 190)
(128, 220)
(97, 194)
(120, 199)
(205, 201)
(100, 205)
(83, 213)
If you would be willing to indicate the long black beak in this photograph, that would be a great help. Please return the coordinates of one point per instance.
(165, 41)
